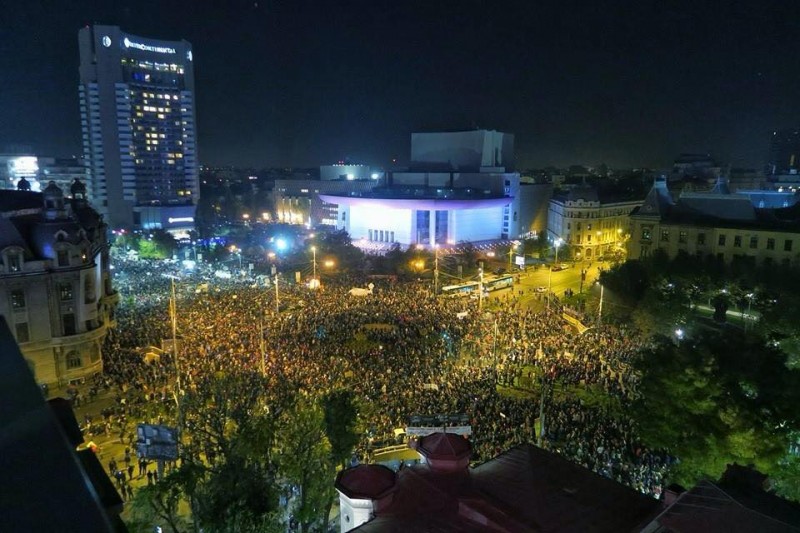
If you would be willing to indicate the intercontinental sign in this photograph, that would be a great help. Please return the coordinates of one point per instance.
(147, 48)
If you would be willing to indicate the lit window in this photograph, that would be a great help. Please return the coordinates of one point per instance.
(74, 360)
(18, 299)
(14, 264)
(65, 291)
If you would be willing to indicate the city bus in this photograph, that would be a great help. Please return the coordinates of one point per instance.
(462, 289)
(496, 284)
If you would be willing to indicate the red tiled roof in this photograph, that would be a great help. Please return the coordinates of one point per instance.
(444, 446)
(369, 482)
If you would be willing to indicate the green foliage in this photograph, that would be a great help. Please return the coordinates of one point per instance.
(340, 424)
(306, 463)
(717, 399)
(159, 504)
(786, 481)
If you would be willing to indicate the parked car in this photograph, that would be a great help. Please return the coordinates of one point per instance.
(540, 288)
(558, 268)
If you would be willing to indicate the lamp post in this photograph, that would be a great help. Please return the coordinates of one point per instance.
(314, 252)
(277, 297)
(510, 253)
(557, 243)
(480, 287)
(435, 269)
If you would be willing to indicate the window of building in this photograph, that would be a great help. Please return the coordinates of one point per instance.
(646, 234)
(23, 335)
(14, 262)
(579, 226)
(664, 235)
(721, 240)
(701, 239)
(682, 237)
(74, 360)
(63, 258)
(737, 241)
(753, 242)
(18, 299)
(65, 290)
(588, 227)
(770, 244)
(69, 324)
(787, 245)
(589, 238)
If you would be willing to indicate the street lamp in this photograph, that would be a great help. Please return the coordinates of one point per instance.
(314, 252)
(511, 249)
(557, 243)
(235, 250)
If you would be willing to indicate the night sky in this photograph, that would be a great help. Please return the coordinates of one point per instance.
(308, 82)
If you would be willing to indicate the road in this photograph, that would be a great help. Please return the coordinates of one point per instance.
(561, 281)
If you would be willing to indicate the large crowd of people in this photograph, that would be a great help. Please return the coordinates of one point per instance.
(400, 350)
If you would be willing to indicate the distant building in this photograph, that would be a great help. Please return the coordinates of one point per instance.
(471, 151)
(55, 282)
(299, 201)
(720, 223)
(14, 167)
(784, 152)
(696, 167)
(590, 225)
(62, 171)
(347, 172)
(460, 187)
(138, 120)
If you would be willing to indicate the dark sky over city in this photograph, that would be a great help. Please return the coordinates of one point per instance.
(308, 82)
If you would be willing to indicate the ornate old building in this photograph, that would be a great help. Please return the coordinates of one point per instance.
(55, 283)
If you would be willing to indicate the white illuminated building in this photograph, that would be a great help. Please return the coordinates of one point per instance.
(15, 167)
(138, 122)
(460, 187)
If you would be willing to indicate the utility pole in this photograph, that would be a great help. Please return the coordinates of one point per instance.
(494, 349)
(435, 269)
(480, 287)
(174, 313)
(261, 344)
(510, 253)
(314, 251)
(277, 298)
(600, 310)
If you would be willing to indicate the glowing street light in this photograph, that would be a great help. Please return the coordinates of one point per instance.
(314, 252)
(557, 243)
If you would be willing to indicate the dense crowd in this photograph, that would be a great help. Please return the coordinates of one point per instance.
(400, 350)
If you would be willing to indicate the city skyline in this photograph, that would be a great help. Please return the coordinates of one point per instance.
(310, 83)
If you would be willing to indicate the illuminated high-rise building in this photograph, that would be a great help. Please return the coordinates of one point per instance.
(138, 121)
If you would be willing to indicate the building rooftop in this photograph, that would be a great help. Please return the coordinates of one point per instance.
(47, 485)
(526, 489)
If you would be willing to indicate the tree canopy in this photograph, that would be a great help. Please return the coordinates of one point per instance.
(717, 398)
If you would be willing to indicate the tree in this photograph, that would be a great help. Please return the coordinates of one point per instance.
(306, 463)
(340, 424)
(719, 398)
(159, 503)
